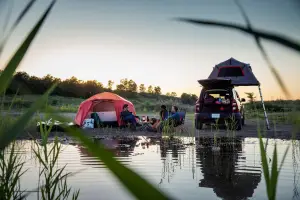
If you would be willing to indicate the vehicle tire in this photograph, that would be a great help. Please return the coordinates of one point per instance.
(198, 124)
(239, 125)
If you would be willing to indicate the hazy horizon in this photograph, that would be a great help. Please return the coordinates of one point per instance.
(141, 41)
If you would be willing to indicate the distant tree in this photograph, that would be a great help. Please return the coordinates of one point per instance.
(91, 88)
(150, 89)
(173, 94)
(142, 88)
(72, 87)
(110, 84)
(157, 90)
(188, 98)
(194, 98)
(251, 97)
(123, 86)
(132, 86)
(168, 94)
(23, 83)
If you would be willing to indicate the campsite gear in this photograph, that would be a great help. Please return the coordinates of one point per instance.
(56, 126)
(106, 104)
(208, 113)
(88, 123)
(239, 74)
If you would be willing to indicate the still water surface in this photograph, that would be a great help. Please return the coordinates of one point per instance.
(184, 171)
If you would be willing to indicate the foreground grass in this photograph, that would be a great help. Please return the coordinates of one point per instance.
(138, 186)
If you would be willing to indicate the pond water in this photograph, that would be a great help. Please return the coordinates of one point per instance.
(185, 169)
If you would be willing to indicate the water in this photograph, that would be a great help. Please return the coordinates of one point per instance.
(185, 171)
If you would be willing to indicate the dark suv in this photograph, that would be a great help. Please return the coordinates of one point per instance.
(219, 102)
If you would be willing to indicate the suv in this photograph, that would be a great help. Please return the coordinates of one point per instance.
(219, 102)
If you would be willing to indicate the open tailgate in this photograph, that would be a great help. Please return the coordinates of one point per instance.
(215, 83)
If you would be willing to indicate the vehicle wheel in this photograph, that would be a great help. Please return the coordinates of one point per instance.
(198, 124)
(239, 125)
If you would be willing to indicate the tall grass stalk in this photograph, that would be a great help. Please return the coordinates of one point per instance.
(11, 170)
(54, 180)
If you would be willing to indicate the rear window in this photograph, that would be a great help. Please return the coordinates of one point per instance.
(217, 94)
(230, 72)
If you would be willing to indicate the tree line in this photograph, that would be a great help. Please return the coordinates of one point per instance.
(22, 83)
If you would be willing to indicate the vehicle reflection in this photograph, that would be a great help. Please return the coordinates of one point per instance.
(226, 170)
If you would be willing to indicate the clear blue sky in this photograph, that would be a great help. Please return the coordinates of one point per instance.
(138, 39)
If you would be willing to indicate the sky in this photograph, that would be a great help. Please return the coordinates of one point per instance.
(141, 40)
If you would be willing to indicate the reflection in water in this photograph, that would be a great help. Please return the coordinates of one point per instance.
(120, 146)
(171, 151)
(226, 171)
(187, 168)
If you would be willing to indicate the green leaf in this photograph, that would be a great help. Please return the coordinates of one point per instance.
(8, 135)
(15, 24)
(274, 175)
(137, 185)
(264, 164)
(14, 62)
(263, 51)
(280, 39)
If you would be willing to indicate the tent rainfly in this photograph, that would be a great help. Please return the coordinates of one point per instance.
(240, 74)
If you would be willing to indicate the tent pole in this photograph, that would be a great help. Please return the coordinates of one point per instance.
(264, 108)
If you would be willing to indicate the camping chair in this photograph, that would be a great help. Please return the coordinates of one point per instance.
(127, 123)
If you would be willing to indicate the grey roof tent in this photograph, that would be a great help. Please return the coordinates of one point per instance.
(240, 73)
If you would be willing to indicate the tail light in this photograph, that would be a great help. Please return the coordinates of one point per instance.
(235, 107)
(197, 107)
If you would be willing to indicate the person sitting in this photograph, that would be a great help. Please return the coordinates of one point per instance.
(172, 120)
(175, 117)
(150, 126)
(163, 114)
(127, 116)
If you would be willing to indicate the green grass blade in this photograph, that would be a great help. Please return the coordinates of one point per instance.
(14, 62)
(7, 17)
(263, 52)
(6, 136)
(283, 158)
(274, 175)
(279, 39)
(264, 164)
(16, 23)
(137, 185)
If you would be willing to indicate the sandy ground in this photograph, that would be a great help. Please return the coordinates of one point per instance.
(280, 131)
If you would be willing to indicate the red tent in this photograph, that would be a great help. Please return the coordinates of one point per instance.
(104, 101)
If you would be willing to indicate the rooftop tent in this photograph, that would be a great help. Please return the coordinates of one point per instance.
(107, 105)
(240, 73)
